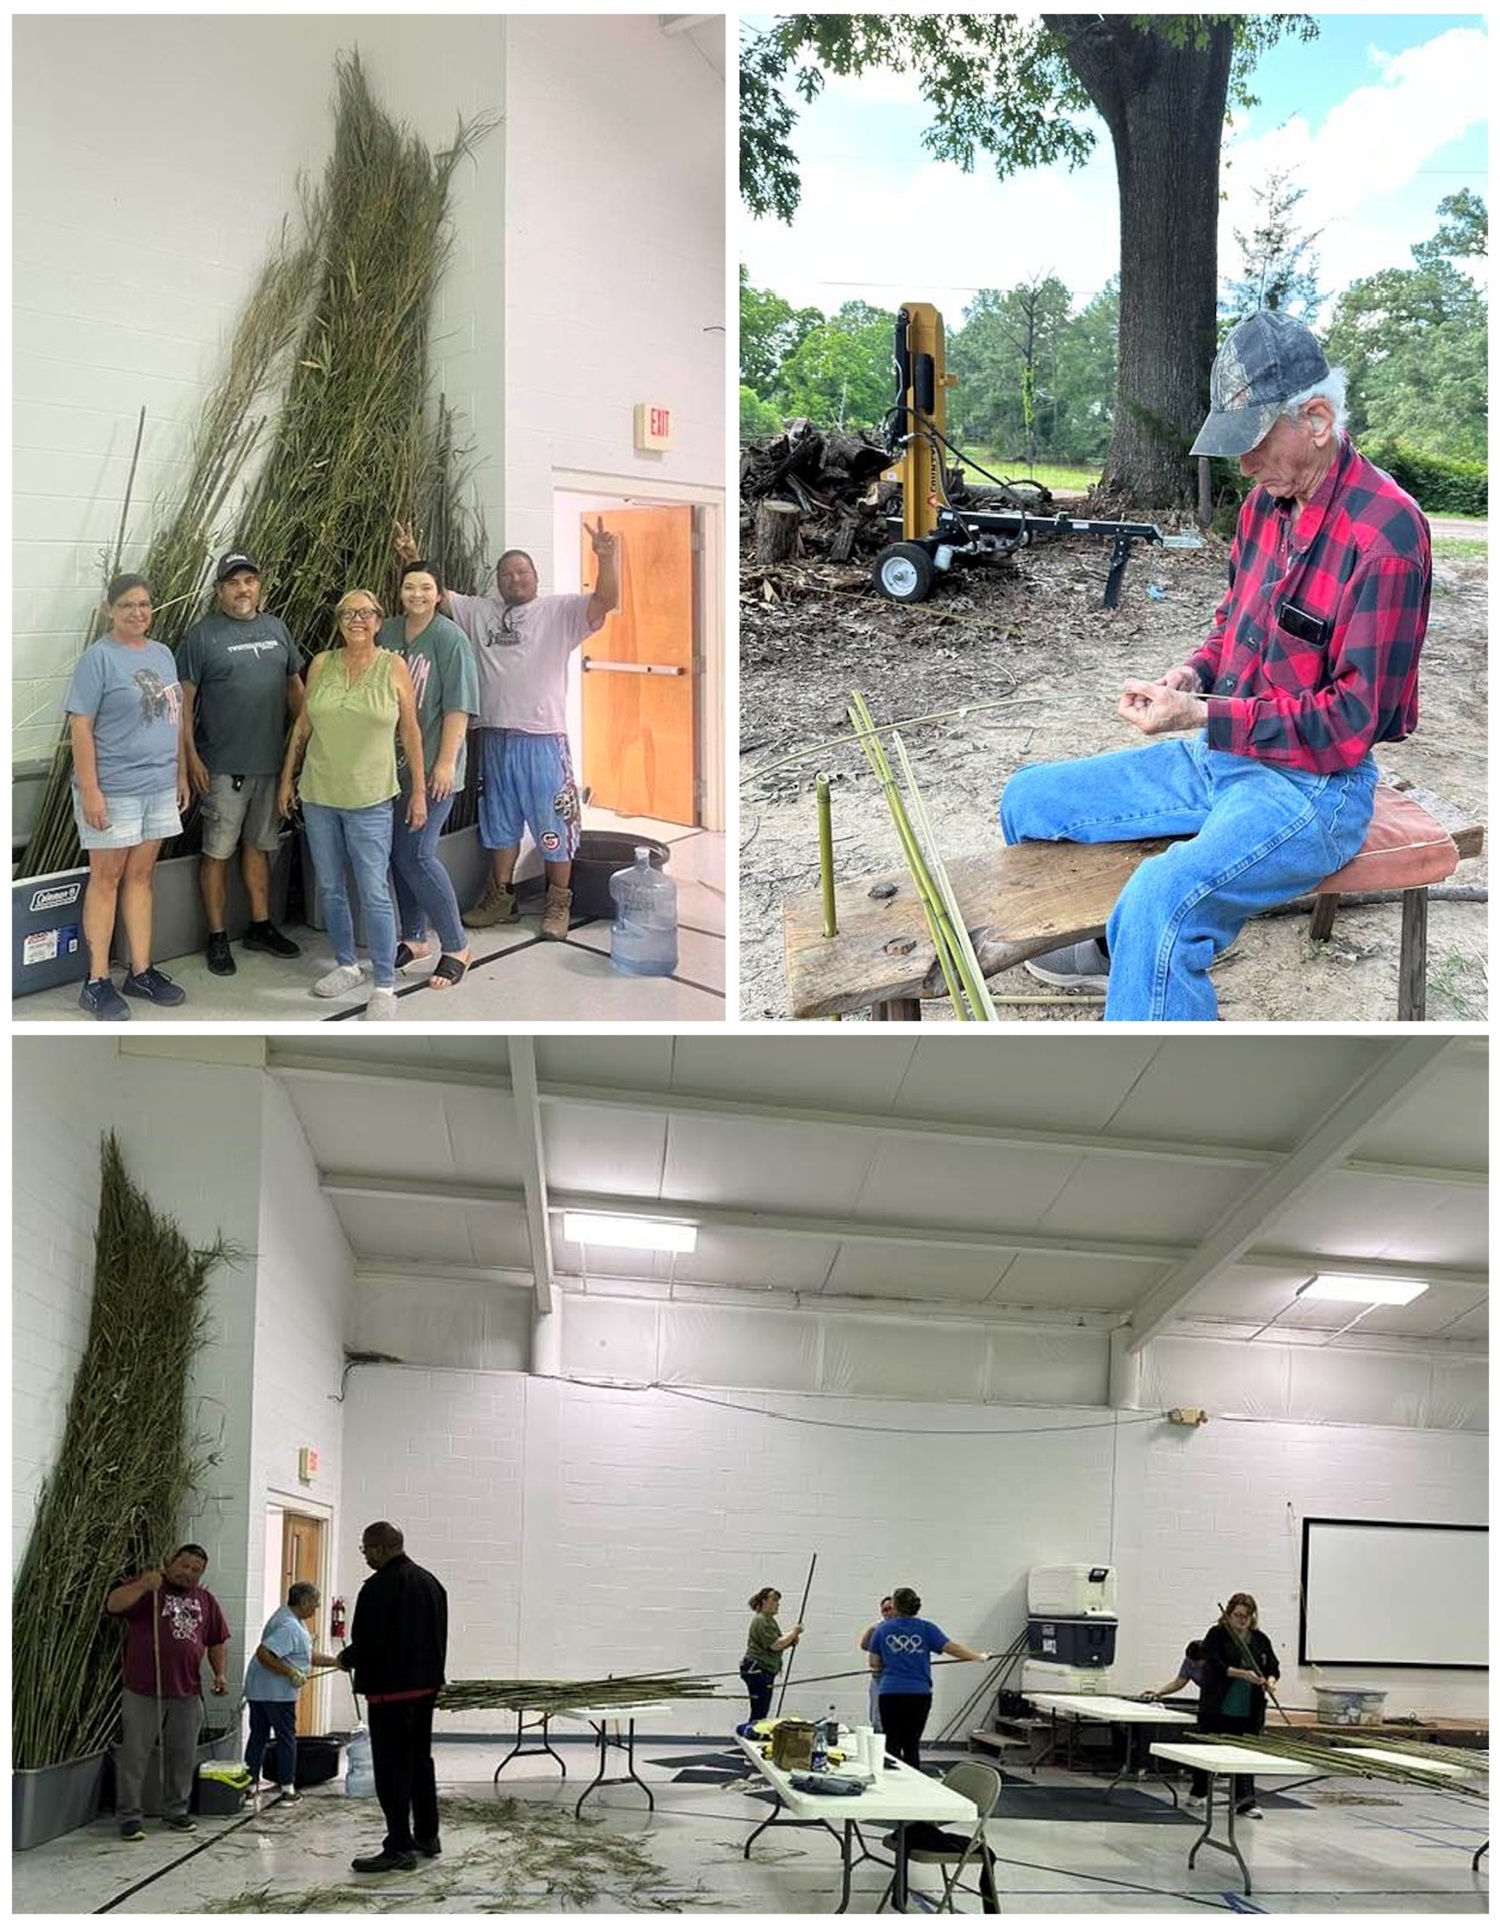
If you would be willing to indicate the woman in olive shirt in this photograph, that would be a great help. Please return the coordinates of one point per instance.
(764, 1646)
(358, 697)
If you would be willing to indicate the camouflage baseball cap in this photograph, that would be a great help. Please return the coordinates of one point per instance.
(1265, 360)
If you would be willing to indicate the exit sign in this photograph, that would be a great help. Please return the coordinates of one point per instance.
(653, 426)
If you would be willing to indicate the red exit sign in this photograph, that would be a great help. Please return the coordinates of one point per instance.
(653, 426)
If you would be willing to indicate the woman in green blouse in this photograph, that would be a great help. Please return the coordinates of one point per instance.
(764, 1646)
(358, 698)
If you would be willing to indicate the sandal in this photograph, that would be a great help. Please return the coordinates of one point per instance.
(412, 963)
(447, 972)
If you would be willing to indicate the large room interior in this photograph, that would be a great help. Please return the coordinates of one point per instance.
(948, 1317)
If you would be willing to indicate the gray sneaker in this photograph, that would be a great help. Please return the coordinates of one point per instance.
(1076, 967)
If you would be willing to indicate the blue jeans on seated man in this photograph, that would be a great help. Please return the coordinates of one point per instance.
(362, 840)
(424, 890)
(1258, 834)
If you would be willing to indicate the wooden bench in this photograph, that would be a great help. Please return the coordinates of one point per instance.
(1024, 899)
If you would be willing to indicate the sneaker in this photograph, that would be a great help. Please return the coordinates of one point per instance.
(132, 1831)
(497, 906)
(101, 1000)
(383, 1863)
(381, 1008)
(1250, 1813)
(218, 957)
(1194, 1803)
(557, 914)
(289, 1794)
(153, 985)
(1076, 967)
(342, 978)
(182, 1824)
(266, 937)
(430, 1850)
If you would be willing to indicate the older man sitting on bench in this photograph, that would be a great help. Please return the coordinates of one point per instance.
(1310, 660)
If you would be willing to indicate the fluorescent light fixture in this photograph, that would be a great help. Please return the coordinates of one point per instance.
(1354, 1289)
(643, 1234)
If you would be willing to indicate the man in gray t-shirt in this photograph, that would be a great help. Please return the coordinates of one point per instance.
(241, 689)
(522, 643)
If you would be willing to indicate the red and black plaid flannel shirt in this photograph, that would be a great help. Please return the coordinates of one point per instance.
(1352, 575)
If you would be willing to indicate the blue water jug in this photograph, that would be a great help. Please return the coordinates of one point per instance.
(643, 940)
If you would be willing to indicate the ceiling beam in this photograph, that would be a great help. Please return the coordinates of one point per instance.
(533, 1165)
(1400, 1070)
(947, 1131)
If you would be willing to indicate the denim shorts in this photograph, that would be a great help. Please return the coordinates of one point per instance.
(132, 820)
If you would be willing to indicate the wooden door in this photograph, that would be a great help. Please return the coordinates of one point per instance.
(302, 1559)
(639, 672)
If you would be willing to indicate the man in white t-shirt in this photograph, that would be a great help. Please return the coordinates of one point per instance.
(522, 642)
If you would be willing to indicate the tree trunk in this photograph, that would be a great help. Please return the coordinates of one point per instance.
(1164, 107)
(776, 526)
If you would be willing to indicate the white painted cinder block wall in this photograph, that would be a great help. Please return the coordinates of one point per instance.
(142, 216)
(615, 273)
(590, 1530)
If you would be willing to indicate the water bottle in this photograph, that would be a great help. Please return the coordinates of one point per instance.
(359, 1773)
(643, 941)
(819, 1764)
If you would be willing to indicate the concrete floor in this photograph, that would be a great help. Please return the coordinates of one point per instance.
(1397, 1851)
(513, 977)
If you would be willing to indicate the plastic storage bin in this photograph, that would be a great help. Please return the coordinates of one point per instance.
(1052, 1590)
(1087, 1641)
(1349, 1707)
(643, 939)
(600, 854)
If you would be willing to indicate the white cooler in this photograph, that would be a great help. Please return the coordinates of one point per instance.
(1070, 1590)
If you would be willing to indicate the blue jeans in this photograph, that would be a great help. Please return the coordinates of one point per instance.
(278, 1718)
(423, 887)
(362, 840)
(1257, 835)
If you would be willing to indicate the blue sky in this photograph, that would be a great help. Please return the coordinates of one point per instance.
(1380, 117)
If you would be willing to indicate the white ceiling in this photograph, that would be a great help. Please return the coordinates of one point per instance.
(1164, 1184)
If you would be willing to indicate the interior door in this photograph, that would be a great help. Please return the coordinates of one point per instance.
(640, 753)
(302, 1559)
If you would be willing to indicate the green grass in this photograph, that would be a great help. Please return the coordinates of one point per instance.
(1065, 479)
(1461, 548)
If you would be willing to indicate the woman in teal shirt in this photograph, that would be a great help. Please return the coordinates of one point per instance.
(358, 698)
(446, 685)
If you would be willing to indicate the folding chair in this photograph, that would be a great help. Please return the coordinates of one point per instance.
(979, 1782)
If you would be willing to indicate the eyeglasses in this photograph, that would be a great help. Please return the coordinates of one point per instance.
(359, 615)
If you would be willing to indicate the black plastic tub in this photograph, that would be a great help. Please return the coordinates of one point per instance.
(600, 854)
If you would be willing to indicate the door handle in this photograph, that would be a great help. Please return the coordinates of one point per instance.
(636, 669)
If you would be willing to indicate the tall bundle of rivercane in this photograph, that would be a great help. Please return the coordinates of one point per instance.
(322, 427)
(551, 1696)
(111, 1503)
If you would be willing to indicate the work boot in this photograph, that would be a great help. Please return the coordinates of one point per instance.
(1076, 967)
(557, 913)
(497, 906)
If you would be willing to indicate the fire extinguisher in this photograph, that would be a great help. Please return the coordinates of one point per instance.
(336, 1627)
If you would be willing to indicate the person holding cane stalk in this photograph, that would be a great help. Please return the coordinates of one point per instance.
(171, 1625)
(764, 1645)
(1240, 1670)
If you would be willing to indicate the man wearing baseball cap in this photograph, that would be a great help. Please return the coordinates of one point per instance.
(1310, 660)
(241, 681)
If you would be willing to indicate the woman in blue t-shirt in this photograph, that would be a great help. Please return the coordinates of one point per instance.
(904, 1645)
(276, 1675)
(124, 708)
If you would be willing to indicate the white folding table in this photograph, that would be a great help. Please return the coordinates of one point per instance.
(1445, 1770)
(1135, 1716)
(601, 1719)
(897, 1794)
(1221, 1762)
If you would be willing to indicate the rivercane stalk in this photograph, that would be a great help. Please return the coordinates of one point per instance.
(975, 988)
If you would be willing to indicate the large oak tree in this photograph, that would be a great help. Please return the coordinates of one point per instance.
(1019, 90)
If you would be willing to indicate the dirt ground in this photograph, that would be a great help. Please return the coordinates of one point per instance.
(1032, 635)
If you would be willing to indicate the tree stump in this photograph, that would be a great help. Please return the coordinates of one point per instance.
(776, 528)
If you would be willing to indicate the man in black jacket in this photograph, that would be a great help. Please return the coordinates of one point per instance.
(397, 1650)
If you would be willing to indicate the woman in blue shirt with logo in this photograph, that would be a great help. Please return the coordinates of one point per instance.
(904, 1645)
